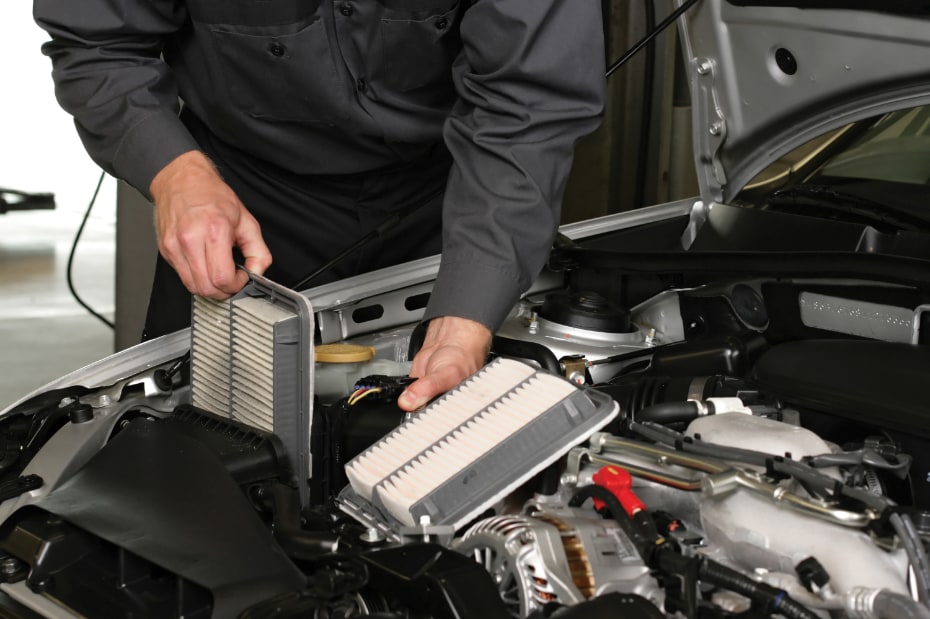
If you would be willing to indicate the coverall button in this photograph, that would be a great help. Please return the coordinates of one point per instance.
(441, 23)
(277, 49)
(346, 9)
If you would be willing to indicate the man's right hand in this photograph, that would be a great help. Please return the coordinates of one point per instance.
(199, 219)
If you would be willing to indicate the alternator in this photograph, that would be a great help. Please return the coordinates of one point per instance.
(556, 554)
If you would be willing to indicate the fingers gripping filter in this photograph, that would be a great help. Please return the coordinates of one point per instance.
(474, 445)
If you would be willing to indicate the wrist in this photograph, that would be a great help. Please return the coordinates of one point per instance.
(192, 162)
(458, 330)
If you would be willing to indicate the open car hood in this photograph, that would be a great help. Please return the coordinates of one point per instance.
(767, 76)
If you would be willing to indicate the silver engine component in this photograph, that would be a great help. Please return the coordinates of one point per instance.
(747, 522)
(526, 325)
(556, 554)
(759, 530)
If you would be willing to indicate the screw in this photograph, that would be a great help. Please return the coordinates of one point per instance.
(9, 566)
(704, 66)
(534, 323)
(650, 339)
(372, 536)
(716, 128)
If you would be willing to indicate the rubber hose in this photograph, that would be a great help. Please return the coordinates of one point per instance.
(916, 554)
(777, 599)
(296, 542)
(534, 351)
(665, 413)
(889, 605)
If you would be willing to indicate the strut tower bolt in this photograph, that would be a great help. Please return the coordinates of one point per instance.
(534, 324)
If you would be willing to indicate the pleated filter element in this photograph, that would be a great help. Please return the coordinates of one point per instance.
(474, 445)
(210, 354)
(252, 361)
(264, 336)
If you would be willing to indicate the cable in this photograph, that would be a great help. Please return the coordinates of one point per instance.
(74, 244)
(384, 227)
(649, 37)
(649, 71)
(916, 554)
(777, 600)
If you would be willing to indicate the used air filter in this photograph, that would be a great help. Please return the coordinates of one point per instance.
(474, 445)
(252, 361)
(210, 350)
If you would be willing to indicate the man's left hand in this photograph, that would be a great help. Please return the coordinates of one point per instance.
(454, 349)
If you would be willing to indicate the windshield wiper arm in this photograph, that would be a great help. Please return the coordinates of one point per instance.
(829, 197)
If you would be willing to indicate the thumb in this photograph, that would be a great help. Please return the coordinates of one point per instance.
(418, 394)
(254, 250)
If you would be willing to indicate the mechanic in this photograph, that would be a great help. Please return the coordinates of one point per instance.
(294, 127)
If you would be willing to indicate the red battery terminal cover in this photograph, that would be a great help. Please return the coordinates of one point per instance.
(619, 482)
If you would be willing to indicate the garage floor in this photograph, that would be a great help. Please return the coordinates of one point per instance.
(44, 333)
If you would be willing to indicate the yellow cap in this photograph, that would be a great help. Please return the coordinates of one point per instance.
(344, 353)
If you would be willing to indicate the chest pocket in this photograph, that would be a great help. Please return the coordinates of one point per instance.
(419, 40)
(279, 72)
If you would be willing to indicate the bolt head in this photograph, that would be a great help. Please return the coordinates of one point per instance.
(372, 535)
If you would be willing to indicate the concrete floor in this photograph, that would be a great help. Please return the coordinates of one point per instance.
(44, 332)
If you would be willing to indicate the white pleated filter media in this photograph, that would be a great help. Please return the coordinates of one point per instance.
(477, 443)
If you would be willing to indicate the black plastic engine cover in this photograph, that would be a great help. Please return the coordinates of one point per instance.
(433, 581)
(167, 498)
(882, 384)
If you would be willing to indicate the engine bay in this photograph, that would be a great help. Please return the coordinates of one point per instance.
(766, 455)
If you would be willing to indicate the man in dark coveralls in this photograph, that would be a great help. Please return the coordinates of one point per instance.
(291, 128)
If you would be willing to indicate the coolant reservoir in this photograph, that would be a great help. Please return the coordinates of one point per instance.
(339, 366)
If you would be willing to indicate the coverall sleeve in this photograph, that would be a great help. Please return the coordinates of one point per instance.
(109, 75)
(530, 81)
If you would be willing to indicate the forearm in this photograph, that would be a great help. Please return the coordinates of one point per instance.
(530, 83)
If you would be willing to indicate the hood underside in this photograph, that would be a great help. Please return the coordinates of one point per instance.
(766, 77)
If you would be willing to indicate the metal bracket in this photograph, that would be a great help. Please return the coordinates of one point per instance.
(711, 132)
(919, 311)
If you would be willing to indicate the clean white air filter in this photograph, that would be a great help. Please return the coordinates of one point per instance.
(474, 445)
